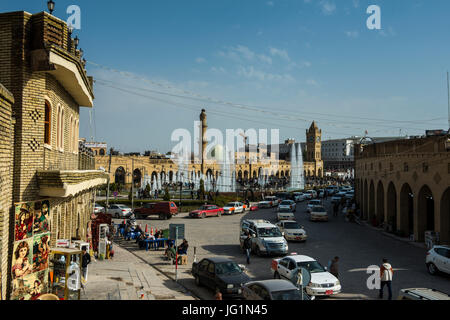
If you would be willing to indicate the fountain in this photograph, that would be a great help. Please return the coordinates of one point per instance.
(297, 180)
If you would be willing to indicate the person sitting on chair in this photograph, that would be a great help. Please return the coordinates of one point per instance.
(171, 252)
(182, 248)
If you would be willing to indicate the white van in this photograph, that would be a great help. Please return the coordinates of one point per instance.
(267, 239)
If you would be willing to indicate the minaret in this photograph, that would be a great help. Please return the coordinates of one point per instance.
(204, 140)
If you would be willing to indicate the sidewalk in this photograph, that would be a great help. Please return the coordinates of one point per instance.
(126, 277)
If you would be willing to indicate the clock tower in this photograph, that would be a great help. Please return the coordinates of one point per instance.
(314, 143)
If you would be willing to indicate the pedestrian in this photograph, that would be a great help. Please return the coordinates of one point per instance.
(334, 267)
(248, 246)
(86, 260)
(386, 273)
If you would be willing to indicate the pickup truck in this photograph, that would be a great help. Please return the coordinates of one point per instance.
(164, 210)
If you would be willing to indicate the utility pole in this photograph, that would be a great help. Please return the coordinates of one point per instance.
(132, 184)
(109, 173)
(448, 94)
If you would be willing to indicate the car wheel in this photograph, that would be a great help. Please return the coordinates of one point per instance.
(117, 216)
(197, 281)
(276, 275)
(203, 215)
(219, 214)
(162, 216)
(432, 269)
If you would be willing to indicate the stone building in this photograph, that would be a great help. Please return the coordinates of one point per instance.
(39, 117)
(404, 186)
(125, 169)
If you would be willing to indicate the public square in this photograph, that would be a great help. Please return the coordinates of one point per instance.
(358, 246)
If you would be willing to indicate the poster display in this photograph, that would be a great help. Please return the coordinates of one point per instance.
(30, 259)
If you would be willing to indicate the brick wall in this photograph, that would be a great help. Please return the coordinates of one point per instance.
(6, 141)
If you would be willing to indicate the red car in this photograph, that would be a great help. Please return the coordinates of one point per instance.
(206, 211)
(254, 208)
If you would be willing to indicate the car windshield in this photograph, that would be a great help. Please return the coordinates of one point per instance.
(311, 266)
(205, 208)
(227, 268)
(122, 206)
(294, 294)
(269, 232)
(284, 210)
(291, 225)
(285, 203)
(318, 209)
(315, 202)
(231, 204)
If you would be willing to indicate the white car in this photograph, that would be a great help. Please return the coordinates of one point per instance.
(312, 194)
(322, 282)
(119, 211)
(438, 260)
(273, 200)
(312, 204)
(318, 213)
(233, 208)
(265, 204)
(98, 208)
(285, 214)
(299, 197)
(292, 230)
(288, 204)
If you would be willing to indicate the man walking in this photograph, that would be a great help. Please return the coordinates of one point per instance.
(248, 246)
(386, 273)
(334, 267)
(86, 260)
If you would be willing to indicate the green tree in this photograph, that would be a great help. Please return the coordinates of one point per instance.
(202, 189)
(166, 194)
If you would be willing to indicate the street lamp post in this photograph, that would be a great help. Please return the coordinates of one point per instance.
(51, 6)
(181, 187)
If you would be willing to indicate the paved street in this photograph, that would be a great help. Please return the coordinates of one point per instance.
(358, 246)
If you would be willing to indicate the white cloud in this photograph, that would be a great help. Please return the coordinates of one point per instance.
(280, 53)
(328, 8)
(200, 60)
(252, 73)
(265, 58)
(352, 34)
(312, 82)
(238, 53)
(220, 70)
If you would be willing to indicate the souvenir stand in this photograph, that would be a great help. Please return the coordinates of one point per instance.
(65, 273)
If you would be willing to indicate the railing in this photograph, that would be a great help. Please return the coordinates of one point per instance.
(63, 161)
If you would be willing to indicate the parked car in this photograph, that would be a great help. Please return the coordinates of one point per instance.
(98, 208)
(272, 290)
(322, 282)
(254, 207)
(119, 211)
(233, 208)
(321, 193)
(267, 239)
(206, 211)
(318, 213)
(220, 273)
(285, 214)
(274, 201)
(288, 204)
(332, 190)
(265, 204)
(292, 230)
(311, 204)
(438, 260)
(422, 294)
(164, 210)
(299, 197)
(312, 194)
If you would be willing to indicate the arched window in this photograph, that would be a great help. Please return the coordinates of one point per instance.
(71, 133)
(47, 123)
(61, 132)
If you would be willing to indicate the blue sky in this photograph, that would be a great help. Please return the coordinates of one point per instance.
(300, 60)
